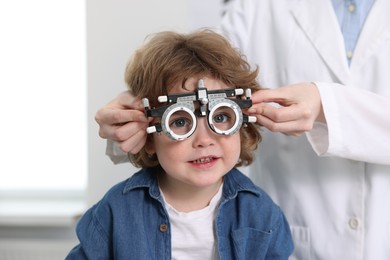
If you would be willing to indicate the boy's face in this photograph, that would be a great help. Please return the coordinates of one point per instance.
(205, 157)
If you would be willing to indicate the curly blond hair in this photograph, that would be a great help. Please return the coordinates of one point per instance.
(170, 57)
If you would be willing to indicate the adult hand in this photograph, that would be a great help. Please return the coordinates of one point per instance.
(299, 107)
(122, 120)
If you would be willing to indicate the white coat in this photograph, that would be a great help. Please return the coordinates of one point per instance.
(338, 206)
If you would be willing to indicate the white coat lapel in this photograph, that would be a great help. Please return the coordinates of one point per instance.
(375, 31)
(318, 20)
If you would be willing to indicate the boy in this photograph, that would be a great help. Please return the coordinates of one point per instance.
(188, 201)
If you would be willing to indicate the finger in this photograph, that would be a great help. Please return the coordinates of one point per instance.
(139, 146)
(124, 116)
(269, 95)
(126, 100)
(281, 114)
(288, 120)
(108, 132)
(288, 128)
(130, 129)
(123, 132)
(111, 116)
(135, 143)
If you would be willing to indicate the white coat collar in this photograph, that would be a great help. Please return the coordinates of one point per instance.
(376, 31)
(319, 22)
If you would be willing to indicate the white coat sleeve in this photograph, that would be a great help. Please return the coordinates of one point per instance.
(357, 124)
(115, 153)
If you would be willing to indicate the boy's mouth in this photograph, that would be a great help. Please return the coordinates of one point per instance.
(203, 160)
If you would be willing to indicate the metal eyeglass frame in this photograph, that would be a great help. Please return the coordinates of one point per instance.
(209, 102)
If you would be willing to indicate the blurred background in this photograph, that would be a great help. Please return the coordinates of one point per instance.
(60, 61)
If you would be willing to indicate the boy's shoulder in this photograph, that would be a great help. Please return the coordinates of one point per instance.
(246, 196)
(144, 178)
(235, 181)
(127, 193)
(239, 186)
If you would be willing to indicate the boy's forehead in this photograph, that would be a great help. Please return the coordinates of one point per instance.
(191, 85)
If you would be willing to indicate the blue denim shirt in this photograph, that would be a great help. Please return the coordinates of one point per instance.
(131, 222)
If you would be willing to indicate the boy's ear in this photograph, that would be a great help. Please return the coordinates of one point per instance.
(149, 146)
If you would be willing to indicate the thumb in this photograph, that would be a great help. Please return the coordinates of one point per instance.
(138, 104)
(127, 101)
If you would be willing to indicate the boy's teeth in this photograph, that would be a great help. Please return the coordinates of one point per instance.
(203, 160)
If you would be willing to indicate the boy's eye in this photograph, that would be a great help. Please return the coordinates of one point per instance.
(180, 122)
(220, 118)
(223, 118)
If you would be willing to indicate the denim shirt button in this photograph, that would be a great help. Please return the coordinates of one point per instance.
(163, 228)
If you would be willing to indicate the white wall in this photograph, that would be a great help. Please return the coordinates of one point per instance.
(114, 29)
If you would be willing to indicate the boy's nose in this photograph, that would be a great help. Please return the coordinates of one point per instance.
(203, 135)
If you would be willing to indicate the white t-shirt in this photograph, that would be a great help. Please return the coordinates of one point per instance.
(193, 235)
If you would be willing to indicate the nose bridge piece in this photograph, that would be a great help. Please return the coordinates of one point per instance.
(202, 97)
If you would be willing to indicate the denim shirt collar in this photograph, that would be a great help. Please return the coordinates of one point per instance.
(234, 182)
